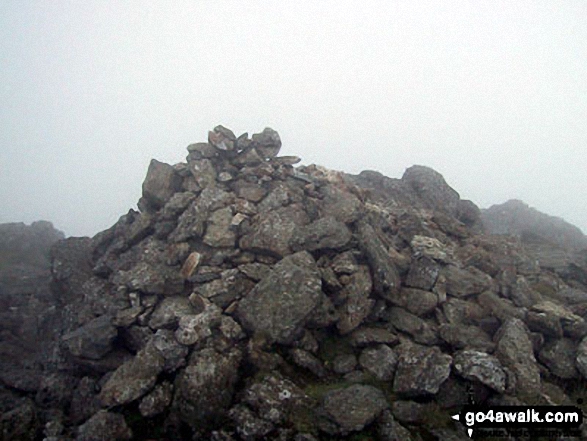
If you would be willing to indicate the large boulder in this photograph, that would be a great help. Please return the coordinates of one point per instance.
(161, 183)
(421, 370)
(352, 408)
(281, 304)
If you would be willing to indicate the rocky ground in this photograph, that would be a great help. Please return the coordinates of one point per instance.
(250, 299)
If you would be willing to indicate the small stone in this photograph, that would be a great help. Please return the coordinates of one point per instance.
(191, 264)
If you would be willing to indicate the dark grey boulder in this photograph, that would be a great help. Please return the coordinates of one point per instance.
(324, 233)
(380, 361)
(421, 370)
(482, 367)
(161, 183)
(280, 304)
(93, 340)
(104, 426)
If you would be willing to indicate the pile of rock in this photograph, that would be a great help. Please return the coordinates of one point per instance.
(249, 299)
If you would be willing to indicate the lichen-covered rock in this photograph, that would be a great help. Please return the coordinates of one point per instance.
(559, 356)
(271, 233)
(169, 311)
(423, 273)
(386, 278)
(205, 387)
(482, 367)
(420, 370)
(161, 183)
(134, 378)
(93, 340)
(381, 361)
(357, 303)
(104, 426)
(352, 408)
(322, 234)
(282, 302)
(515, 351)
(157, 400)
(465, 282)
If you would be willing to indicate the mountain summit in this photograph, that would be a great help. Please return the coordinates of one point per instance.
(252, 299)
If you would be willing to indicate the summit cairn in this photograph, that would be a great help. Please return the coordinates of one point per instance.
(249, 299)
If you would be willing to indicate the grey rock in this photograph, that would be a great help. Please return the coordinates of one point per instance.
(157, 400)
(386, 278)
(255, 271)
(342, 205)
(345, 263)
(198, 327)
(381, 361)
(134, 378)
(84, 400)
(413, 325)
(417, 301)
(21, 422)
(248, 425)
(410, 412)
(282, 302)
(357, 303)
(201, 150)
(344, 363)
(151, 279)
(93, 340)
(308, 361)
(559, 356)
(482, 367)
(353, 408)
(423, 273)
(365, 336)
(203, 172)
(172, 351)
(267, 143)
(499, 307)
(168, 312)
(421, 370)
(432, 189)
(160, 184)
(104, 426)
(249, 191)
(324, 233)
(219, 232)
(465, 282)
(271, 233)
(389, 429)
(466, 337)
(204, 389)
(275, 398)
(222, 138)
(515, 351)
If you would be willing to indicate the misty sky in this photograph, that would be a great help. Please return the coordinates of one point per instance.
(492, 94)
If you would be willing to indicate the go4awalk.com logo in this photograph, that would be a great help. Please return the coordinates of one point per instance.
(532, 420)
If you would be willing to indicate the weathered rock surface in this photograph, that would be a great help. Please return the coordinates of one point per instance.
(251, 299)
(282, 302)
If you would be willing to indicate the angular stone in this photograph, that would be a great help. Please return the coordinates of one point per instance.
(424, 246)
(169, 311)
(133, 379)
(386, 278)
(324, 233)
(354, 407)
(204, 389)
(343, 206)
(515, 351)
(367, 336)
(282, 302)
(389, 429)
(581, 359)
(465, 282)
(104, 426)
(413, 325)
(466, 337)
(307, 361)
(417, 301)
(248, 425)
(357, 303)
(195, 328)
(172, 351)
(344, 363)
(380, 361)
(204, 172)
(160, 184)
(93, 340)
(559, 356)
(157, 400)
(423, 273)
(267, 143)
(201, 150)
(249, 191)
(219, 231)
(222, 138)
(191, 265)
(482, 367)
(271, 233)
(421, 370)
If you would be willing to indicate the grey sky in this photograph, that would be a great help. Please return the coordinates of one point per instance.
(492, 94)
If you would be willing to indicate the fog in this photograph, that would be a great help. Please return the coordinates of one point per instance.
(492, 94)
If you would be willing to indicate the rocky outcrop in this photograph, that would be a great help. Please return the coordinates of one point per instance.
(249, 299)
